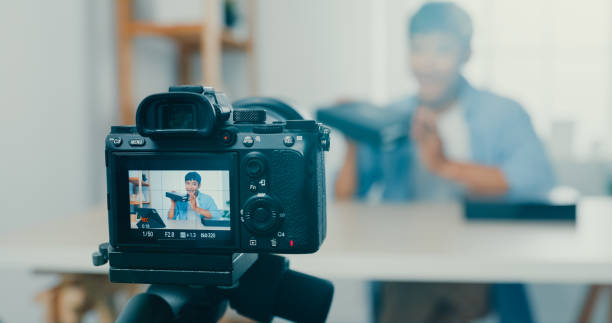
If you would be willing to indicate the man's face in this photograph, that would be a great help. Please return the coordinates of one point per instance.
(436, 59)
(191, 186)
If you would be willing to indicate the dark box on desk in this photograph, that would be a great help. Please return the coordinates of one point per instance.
(501, 210)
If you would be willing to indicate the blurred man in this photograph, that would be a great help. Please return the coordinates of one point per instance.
(463, 141)
(199, 205)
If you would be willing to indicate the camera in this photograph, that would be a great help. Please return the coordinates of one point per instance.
(197, 177)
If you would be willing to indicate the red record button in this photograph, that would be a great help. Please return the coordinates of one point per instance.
(227, 137)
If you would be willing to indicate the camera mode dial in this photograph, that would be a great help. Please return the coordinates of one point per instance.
(262, 214)
(249, 116)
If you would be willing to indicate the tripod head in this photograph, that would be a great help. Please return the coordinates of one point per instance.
(267, 289)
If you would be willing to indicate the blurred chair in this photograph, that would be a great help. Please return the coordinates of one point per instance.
(588, 308)
(509, 301)
(78, 294)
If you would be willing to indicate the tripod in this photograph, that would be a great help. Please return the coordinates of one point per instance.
(267, 289)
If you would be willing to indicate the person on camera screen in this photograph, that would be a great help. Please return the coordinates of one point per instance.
(199, 204)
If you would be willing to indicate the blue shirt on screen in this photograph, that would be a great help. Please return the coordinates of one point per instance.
(501, 135)
(182, 210)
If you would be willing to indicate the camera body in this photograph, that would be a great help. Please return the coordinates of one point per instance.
(252, 186)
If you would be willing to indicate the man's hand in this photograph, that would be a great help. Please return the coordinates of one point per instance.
(171, 211)
(346, 182)
(478, 179)
(424, 131)
(193, 201)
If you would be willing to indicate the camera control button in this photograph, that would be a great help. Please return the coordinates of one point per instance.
(137, 142)
(117, 141)
(249, 116)
(253, 186)
(261, 214)
(227, 137)
(255, 167)
(289, 141)
(248, 141)
(268, 129)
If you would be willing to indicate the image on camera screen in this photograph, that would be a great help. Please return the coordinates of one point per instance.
(179, 199)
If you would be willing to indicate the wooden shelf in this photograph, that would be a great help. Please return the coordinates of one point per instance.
(138, 203)
(138, 188)
(190, 34)
(136, 181)
(230, 42)
(180, 30)
(209, 38)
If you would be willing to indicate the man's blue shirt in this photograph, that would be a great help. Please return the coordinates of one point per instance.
(204, 201)
(501, 135)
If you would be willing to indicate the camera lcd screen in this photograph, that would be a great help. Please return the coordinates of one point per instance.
(175, 199)
(179, 200)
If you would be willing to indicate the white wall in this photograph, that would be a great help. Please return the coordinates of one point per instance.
(315, 52)
(45, 141)
(45, 117)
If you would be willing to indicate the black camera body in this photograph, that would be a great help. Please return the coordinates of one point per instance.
(269, 177)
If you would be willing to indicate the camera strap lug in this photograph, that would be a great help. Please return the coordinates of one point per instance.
(100, 257)
(324, 137)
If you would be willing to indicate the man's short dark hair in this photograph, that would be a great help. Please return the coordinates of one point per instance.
(193, 176)
(445, 17)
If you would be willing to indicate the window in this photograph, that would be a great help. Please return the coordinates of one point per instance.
(554, 58)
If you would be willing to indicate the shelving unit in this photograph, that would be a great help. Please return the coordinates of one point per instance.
(137, 188)
(208, 37)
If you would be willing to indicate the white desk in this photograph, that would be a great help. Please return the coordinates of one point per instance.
(415, 242)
